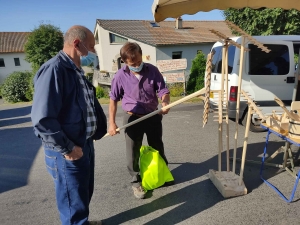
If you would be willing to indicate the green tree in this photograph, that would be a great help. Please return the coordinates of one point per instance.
(42, 44)
(196, 79)
(265, 21)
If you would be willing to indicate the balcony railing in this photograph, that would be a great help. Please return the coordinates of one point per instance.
(103, 77)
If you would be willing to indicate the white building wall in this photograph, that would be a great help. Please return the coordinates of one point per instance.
(107, 51)
(188, 52)
(10, 64)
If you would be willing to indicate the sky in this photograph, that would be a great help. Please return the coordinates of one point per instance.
(26, 15)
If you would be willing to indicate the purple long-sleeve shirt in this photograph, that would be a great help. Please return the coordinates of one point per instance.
(138, 96)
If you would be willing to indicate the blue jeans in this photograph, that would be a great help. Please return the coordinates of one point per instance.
(74, 183)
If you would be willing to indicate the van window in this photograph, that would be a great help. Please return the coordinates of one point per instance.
(276, 62)
(217, 59)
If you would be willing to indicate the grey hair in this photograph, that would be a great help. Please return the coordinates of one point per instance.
(75, 32)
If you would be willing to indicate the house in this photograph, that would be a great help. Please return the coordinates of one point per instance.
(12, 55)
(159, 41)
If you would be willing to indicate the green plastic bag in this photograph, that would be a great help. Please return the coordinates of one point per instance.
(153, 169)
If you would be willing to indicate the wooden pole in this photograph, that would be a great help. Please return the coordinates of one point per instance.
(220, 132)
(195, 94)
(238, 102)
(226, 105)
(245, 144)
(184, 84)
(221, 100)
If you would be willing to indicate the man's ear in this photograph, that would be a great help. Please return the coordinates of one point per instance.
(76, 43)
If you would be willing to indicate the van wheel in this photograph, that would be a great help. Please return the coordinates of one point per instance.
(254, 127)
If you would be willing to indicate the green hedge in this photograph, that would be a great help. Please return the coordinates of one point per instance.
(16, 87)
(89, 77)
(0, 91)
(101, 92)
(196, 79)
(176, 89)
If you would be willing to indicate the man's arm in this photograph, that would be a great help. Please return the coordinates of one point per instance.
(46, 106)
(165, 101)
(112, 117)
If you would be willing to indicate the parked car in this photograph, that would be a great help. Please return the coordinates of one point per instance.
(265, 75)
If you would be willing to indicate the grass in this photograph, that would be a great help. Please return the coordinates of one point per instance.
(104, 101)
(196, 99)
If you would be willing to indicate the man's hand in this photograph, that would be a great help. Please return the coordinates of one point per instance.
(75, 154)
(112, 129)
(166, 110)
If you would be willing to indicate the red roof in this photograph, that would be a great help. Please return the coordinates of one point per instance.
(192, 32)
(12, 41)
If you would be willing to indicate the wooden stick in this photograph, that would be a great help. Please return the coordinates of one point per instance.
(195, 94)
(220, 120)
(221, 99)
(243, 33)
(253, 105)
(245, 144)
(226, 105)
(237, 117)
(279, 102)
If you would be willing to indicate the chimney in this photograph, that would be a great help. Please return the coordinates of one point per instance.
(178, 23)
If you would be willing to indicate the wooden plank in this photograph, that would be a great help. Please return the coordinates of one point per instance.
(238, 103)
(245, 144)
(195, 94)
(295, 105)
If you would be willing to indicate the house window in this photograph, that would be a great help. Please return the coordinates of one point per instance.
(117, 39)
(120, 63)
(153, 24)
(96, 39)
(2, 64)
(176, 55)
(17, 62)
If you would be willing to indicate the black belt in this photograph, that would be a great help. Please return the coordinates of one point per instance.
(134, 114)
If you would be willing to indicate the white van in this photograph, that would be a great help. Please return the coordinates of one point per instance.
(264, 74)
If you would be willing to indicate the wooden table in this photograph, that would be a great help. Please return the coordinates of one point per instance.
(287, 161)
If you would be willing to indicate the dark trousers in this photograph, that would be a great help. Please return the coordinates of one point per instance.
(74, 183)
(134, 134)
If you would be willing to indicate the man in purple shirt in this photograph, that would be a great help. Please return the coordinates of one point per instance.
(138, 84)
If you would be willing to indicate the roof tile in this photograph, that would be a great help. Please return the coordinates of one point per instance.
(193, 32)
(12, 41)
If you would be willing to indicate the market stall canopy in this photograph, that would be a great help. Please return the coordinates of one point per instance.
(163, 9)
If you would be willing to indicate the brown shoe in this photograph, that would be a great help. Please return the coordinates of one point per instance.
(139, 192)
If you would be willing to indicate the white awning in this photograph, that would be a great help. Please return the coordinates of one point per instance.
(163, 9)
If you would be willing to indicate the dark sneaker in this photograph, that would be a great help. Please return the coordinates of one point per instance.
(139, 192)
(95, 222)
(169, 183)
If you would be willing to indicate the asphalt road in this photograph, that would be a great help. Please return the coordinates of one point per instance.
(27, 191)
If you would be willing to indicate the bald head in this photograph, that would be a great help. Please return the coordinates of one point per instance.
(77, 32)
(78, 41)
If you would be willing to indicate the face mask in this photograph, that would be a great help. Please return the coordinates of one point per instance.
(88, 59)
(136, 69)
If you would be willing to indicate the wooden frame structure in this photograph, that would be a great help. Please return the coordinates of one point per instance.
(227, 182)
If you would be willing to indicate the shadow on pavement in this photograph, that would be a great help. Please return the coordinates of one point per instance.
(11, 122)
(191, 199)
(189, 171)
(197, 197)
(18, 149)
(10, 113)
